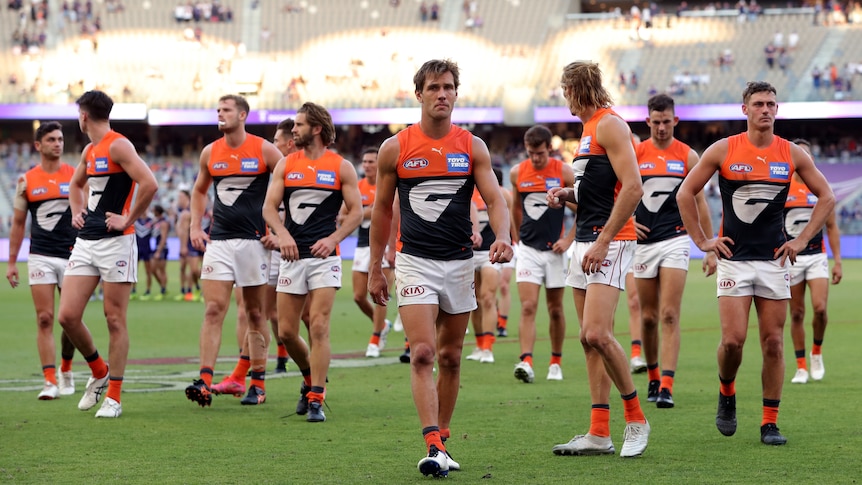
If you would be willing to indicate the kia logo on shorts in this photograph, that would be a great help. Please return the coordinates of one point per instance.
(640, 268)
(284, 281)
(606, 263)
(37, 275)
(335, 269)
(524, 272)
(263, 266)
(207, 269)
(412, 290)
(726, 284)
(121, 264)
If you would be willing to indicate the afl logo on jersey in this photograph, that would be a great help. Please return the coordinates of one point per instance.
(412, 290)
(220, 166)
(646, 166)
(294, 176)
(415, 164)
(740, 168)
(726, 284)
(38, 191)
(64, 189)
(526, 185)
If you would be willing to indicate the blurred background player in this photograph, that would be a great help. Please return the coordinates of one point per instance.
(161, 229)
(239, 165)
(811, 270)
(143, 237)
(542, 247)
(662, 255)
(312, 183)
(44, 192)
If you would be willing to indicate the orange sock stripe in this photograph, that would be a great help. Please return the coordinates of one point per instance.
(316, 396)
(816, 349)
(556, 359)
(636, 350)
(667, 383)
(445, 433)
(480, 341)
(375, 339)
(633, 411)
(207, 376)
(490, 340)
(65, 365)
(728, 389)
(259, 383)
(502, 320)
(529, 359)
(50, 373)
(98, 367)
(654, 374)
(800, 363)
(600, 422)
(307, 380)
(282, 350)
(434, 438)
(770, 415)
(241, 369)
(115, 388)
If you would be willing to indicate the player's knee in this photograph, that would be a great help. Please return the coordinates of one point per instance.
(732, 345)
(421, 354)
(670, 317)
(528, 308)
(449, 358)
(45, 318)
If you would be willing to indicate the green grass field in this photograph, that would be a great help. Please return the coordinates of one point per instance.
(503, 430)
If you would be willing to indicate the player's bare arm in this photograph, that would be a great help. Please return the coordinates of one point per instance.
(16, 233)
(824, 206)
(77, 197)
(198, 203)
(498, 213)
(562, 245)
(709, 263)
(694, 182)
(274, 197)
(352, 217)
(124, 154)
(381, 218)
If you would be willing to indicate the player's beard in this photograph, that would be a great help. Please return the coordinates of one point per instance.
(303, 141)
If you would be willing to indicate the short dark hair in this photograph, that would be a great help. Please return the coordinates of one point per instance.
(186, 193)
(96, 104)
(499, 174)
(538, 134)
(158, 210)
(45, 128)
(240, 102)
(316, 115)
(367, 150)
(436, 67)
(802, 141)
(285, 125)
(754, 87)
(660, 102)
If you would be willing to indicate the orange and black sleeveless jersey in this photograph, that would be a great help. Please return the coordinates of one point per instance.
(485, 229)
(596, 186)
(662, 171)
(541, 226)
(435, 184)
(312, 198)
(797, 212)
(754, 184)
(240, 176)
(111, 190)
(366, 191)
(47, 195)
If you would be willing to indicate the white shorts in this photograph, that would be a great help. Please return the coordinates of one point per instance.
(809, 267)
(243, 261)
(448, 284)
(614, 268)
(670, 253)
(114, 259)
(46, 270)
(766, 279)
(482, 259)
(301, 276)
(274, 264)
(362, 260)
(540, 267)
